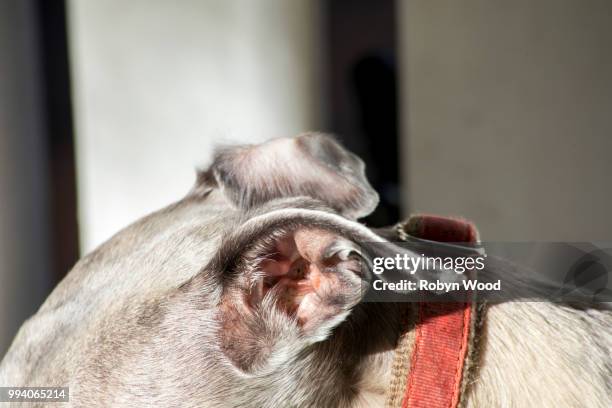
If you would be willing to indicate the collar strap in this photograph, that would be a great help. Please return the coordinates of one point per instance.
(441, 334)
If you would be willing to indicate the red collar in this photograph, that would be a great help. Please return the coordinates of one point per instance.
(443, 331)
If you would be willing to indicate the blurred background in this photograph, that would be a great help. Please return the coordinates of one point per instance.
(498, 111)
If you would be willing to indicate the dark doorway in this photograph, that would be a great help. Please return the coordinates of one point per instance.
(362, 81)
(64, 239)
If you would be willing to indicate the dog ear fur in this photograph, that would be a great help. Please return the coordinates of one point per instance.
(311, 164)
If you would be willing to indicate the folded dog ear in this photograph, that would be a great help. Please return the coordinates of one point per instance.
(311, 165)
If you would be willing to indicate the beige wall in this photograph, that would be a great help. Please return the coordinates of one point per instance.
(158, 83)
(507, 115)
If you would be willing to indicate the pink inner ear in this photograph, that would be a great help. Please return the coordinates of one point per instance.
(303, 282)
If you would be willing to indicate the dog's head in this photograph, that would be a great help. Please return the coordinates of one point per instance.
(290, 267)
(245, 293)
(281, 289)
